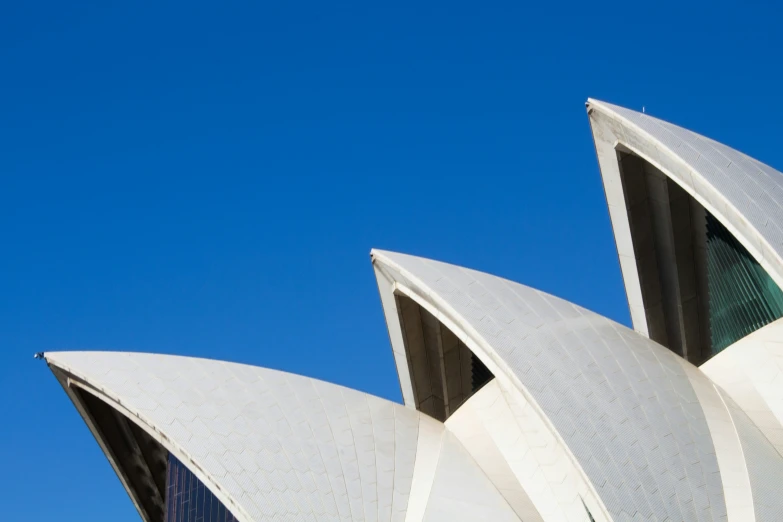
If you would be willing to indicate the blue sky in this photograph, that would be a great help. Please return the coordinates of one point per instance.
(208, 179)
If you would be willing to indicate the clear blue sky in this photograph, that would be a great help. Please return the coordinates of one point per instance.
(209, 179)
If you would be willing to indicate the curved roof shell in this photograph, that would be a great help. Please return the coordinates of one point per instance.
(636, 419)
(276, 446)
(742, 193)
(661, 270)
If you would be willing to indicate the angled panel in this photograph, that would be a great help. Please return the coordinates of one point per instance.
(520, 455)
(764, 465)
(459, 494)
(728, 447)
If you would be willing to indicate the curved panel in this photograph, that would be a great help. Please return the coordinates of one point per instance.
(733, 186)
(750, 371)
(276, 446)
(622, 405)
(728, 448)
(698, 228)
(764, 464)
(520, 455)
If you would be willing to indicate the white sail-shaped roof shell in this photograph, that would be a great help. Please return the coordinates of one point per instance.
(743, 193)
(746, 196)
(279, 447)
(647, 432)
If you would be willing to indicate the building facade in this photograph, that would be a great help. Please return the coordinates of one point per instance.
(517, 405)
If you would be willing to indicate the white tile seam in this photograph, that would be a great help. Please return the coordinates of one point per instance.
(741, 449)
(374, 457)
(545, 299)
(715, 429)
(342, 467)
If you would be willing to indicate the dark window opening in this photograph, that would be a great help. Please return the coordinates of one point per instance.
(164, 488)
(140, 458)
(701, 289)
(444, 371)
(480, 374)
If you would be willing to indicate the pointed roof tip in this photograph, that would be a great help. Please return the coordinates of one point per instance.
(382, 256)
(56, 358)
(375, 253)
(388, 255)
(595, 101)
(592, 103)
(618, 111)
(613, 108)
(604, 105)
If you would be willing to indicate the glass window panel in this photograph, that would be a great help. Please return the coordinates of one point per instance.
(189, 500)
(213, 511)
(742, 296)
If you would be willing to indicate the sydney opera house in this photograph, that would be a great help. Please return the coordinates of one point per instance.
(518, 406)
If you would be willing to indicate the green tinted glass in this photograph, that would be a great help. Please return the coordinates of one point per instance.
(742, 296)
